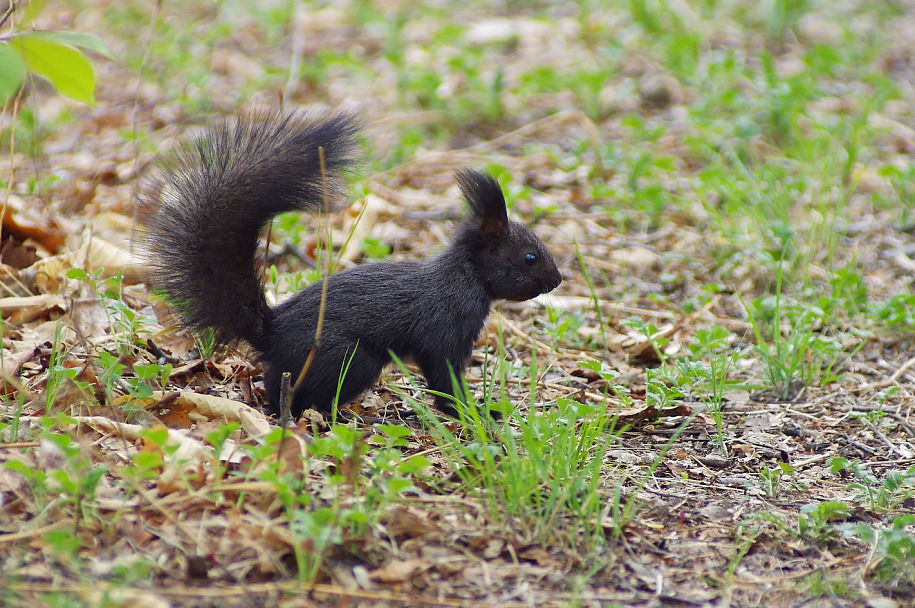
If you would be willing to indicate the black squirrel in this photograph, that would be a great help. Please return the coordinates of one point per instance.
(209, 199)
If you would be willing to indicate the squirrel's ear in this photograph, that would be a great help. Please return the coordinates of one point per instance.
(483, 195)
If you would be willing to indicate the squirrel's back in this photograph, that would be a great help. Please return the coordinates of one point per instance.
(208, 200)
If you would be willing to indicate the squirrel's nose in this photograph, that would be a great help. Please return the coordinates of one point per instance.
(552, 283)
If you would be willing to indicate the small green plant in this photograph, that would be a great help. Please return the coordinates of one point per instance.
(898, 312)
(79, 479)
(781, 15)
(391, 473)
(74, 482)
(152, 373)
(36, 478)
(126, 324)
(892, 549)
(894, 489)
(374, 249)
(58, 374)
(707, 369)
(563, 326)
(664, 387)
(770, 478)
(655, 336)
(355, 488)
(138, 382)
(815, 520)
(64, 545)
(289, 227)
(849, 291)
(148, 463)
(820, 584)
(206, 342)
(902, 178)
(793, 350)
(292, 282)
(543, 472)
(678, 44)
(609, 376)
(744, 539)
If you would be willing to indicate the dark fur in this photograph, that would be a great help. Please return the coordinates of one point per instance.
(210, 199)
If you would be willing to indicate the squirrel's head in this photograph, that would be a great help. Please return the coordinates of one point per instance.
(512, 262)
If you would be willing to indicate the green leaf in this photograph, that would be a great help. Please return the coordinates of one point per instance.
(394, 430)
(146, 372)
(89, 42)
(65, 67)
(77, 273)
(414, 466)
(12, 72)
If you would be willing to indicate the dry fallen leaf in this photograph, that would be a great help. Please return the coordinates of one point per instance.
(18, 222)
(358, 228)
(398, 571)
(252, 421)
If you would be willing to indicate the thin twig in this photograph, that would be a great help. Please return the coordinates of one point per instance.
(9, 11)
(889, 381)
(285, 415)
(321, 309)
(873, 428)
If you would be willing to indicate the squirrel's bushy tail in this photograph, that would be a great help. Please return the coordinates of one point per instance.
(209, 199)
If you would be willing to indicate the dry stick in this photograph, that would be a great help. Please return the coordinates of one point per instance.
(904, 261)
(311, 354)
(15, 382)
(884, 438)
(906, 425)
(542, 346)
(285, 414)
(14, 278)
(581, 302)
(812, 460)
(547, 121)
(37, 532)
(287, 393)
(16, 446)
(250, 589)
(884, 383)
(9, 11)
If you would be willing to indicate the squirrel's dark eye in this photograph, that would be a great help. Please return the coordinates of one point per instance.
(530, 259)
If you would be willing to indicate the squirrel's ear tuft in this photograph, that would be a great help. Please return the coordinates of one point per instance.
(483, 195)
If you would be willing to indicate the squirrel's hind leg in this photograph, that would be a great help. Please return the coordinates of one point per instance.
(330, 377)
